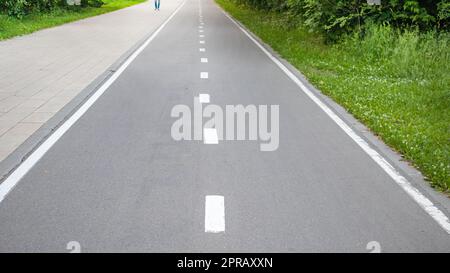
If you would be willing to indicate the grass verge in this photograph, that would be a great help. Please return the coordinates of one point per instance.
(11, 27)
(397, 83)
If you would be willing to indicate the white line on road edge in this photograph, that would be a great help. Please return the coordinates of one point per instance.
(210, 136)
(26, 165)
(204, 60)
(203, 75)
(203, 98)
(214, 213)
(416, 195)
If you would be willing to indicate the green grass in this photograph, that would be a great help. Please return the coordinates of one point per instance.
(398, 84)
(11, 27)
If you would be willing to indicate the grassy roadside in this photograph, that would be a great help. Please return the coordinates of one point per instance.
(398, 84)
(10, 27)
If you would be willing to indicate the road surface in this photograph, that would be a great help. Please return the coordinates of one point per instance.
(116, 180)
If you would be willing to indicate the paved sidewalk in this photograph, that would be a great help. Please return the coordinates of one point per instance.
(43, 71)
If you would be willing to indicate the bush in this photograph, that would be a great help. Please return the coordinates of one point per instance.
(337, 17)
(276, 5)
(15, 8)
(96, 3)
(20, 8)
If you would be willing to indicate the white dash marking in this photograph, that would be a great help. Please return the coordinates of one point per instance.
(204, 98)
(204, 60)
(202, 42)
(201, 30)
(214, 213)
(210, 136)
(204, 75)
(202, 49)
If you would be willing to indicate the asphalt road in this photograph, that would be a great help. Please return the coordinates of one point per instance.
(118, 181)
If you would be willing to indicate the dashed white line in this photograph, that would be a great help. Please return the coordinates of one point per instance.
(214, 214)
(204, 75)
(204, 60)
(203, 98)
(200, 30)
(202, 42)
(210, 136)
(202, 49)
(201, 36)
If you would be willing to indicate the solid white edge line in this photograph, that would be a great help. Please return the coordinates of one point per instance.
(210, 136)
(26, 165)
(214, 214)
(413, 192)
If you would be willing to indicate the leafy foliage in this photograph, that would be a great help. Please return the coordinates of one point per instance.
(336, 17)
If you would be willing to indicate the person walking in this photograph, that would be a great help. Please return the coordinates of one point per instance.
(157, 3)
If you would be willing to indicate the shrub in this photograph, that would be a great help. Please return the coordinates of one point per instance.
(404, 53)
(15, 8)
